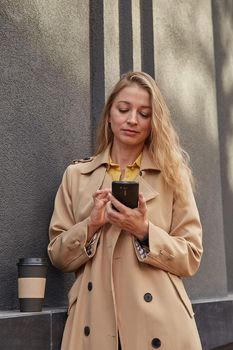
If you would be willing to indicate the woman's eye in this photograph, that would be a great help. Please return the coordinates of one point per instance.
(144, 115)
(123, 110)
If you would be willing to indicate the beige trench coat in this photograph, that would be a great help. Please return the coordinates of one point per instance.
(116, 290)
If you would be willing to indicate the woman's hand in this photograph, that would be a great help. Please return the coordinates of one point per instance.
(132, 220)
(98, 217)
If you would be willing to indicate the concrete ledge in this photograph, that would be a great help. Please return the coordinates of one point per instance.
(32, 330)
(43, 330)
(17, 313)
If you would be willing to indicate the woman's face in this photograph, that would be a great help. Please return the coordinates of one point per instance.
(130, 116)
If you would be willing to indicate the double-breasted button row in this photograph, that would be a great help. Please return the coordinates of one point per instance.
(156, 343)
(86, 328)
(148, 297)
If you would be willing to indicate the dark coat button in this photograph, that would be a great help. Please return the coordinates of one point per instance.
(148, 297)
(86, 331)
(89, 286)
(156, 343)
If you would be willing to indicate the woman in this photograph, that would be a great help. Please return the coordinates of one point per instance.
(128, 291)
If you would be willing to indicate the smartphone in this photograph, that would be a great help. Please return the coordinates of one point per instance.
(126, 192)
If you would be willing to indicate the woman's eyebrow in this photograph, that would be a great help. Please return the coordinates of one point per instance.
(124, 102)
(128, 103)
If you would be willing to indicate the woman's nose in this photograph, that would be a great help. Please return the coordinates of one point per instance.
(132, 118)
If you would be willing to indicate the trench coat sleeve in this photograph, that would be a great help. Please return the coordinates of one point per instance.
(178, 251)
(68, 239)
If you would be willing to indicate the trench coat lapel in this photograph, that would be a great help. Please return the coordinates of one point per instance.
(144, 187)
(148, 170)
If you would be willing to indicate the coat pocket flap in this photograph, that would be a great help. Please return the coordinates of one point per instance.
(178, 284)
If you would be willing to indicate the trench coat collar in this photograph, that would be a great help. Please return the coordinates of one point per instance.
(97, 161)
(103, 159)
(100, 163)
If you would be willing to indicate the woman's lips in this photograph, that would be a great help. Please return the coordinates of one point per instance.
(130, 132)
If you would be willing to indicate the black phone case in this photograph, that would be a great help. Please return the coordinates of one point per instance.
(126, 192)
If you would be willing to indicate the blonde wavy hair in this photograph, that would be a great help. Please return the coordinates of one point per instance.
(163, 141)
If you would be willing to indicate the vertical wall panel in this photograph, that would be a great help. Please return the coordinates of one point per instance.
(223, 43)
(136, 32)
(111, 44)
(155, 40)
(96, 63)
(147, 37)
(125, 36)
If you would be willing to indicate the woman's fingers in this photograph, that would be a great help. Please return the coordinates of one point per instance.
(142, 203)
(100, 197)
(118, 205)
(97, 216)
(113, 216)
(101, 193)
(131, 220)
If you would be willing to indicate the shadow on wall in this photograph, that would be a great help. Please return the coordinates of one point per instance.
(44, 106)
(187, 76)
(223, 32)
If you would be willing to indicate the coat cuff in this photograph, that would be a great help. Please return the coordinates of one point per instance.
(69, 250)
(151, 245)
(91, 246)
(141, 249)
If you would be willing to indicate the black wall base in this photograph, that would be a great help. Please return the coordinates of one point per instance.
(43, 330)
(32, 330)
(215, 323)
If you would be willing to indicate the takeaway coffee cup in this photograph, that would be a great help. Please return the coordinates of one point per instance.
(31, 283)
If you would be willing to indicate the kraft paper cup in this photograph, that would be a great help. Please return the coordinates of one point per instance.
(31, 283)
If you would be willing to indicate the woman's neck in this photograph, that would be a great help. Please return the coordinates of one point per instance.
(124, 155)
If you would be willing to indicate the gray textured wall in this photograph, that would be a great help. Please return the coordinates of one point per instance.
(58, 60)
(45, 122)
